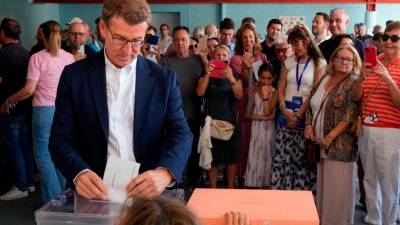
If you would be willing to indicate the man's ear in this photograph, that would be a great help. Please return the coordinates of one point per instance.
(103, 27)
(347, 20)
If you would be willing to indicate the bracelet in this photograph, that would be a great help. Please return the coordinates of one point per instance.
(282, 106)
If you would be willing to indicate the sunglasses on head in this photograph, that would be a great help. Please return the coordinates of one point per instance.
(394, 38)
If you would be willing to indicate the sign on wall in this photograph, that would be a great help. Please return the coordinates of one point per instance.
(290, 21)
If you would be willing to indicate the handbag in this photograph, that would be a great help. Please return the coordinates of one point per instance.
(221, 130)
(356, 127)
(313, 153)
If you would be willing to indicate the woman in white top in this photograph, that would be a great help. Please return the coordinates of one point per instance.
(289, 170)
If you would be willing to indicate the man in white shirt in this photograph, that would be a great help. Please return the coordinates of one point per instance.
(165, 40)
(117, 103)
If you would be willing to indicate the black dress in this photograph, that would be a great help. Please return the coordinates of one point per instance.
(221, 105)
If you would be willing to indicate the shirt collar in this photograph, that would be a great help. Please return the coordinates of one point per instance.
(130, 67)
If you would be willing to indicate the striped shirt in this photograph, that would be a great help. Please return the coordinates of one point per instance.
(379, 110)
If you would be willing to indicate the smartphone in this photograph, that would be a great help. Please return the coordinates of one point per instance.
(152, 39)
(219, 64)
(203, 44)
(80, 49)
(370, 57)
(248, 52)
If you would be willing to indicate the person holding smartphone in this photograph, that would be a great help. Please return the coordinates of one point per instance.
(247, 52)
(378, 91)
(222, 93)
(328, 121)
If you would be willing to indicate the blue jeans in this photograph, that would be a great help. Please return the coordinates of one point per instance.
(15, 138)
(52, 183)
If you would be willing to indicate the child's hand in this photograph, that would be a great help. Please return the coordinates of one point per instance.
(266, 91)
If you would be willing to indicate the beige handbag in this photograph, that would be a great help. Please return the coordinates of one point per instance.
(221, 130)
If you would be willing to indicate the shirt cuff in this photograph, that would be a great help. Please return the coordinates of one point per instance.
(83, 171)
(173, 181)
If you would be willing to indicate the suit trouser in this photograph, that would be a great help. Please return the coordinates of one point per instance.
(379, 152)
(193, 169)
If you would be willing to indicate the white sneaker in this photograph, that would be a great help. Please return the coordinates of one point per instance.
(31, 188)
(13, 193)
(367, 220)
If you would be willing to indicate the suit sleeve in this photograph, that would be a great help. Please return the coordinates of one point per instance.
(178, 136)
(63, 137)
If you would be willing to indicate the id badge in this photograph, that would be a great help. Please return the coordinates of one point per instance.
(297, 102)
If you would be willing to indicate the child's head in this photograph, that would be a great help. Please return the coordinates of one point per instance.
(266, 74)
(157, 211)
(222, 52)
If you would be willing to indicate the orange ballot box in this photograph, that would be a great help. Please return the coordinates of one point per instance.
(264, 207)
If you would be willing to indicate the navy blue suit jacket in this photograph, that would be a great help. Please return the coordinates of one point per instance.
(79, 134)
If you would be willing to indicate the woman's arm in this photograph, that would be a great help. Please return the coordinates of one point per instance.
(202, 84)
(237, 87)
(23, 93)
(334, 133)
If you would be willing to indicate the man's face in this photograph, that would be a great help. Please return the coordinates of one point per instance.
(76, 34)
(118, 31)
(164, 31)
(319, 25)
(282, 53)
(274, 31)
(40, 36)
(338, 23)
(226, 36)
(181, 42)
(362, 30)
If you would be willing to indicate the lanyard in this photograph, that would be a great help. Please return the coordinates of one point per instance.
(298, 79)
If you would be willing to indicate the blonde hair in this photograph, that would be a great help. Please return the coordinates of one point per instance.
(222, 46)
(52, 33)
(157, 211)
(357, 60)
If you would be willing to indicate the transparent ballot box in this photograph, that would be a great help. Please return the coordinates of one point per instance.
(71, 208)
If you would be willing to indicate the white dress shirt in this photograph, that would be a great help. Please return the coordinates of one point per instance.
(121, 104)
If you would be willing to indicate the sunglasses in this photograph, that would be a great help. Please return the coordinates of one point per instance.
(393, 38)
(192, 46)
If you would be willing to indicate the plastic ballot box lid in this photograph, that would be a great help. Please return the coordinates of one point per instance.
(71, 208)
(264, 207)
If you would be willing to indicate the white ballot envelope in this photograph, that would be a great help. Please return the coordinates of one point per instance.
(117, 176)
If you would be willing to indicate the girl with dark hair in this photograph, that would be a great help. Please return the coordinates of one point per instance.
(298, 74)
(262, 102)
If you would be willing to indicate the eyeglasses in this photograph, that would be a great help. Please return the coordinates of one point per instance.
(394, 38)
(345, 60)
(122, 41)
(193, 46)
(77, 34)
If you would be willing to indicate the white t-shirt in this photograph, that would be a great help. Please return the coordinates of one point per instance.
(306, 81)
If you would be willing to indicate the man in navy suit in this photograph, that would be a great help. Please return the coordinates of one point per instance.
(118, 103)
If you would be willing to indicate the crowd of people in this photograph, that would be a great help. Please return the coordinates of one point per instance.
(309, 108)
